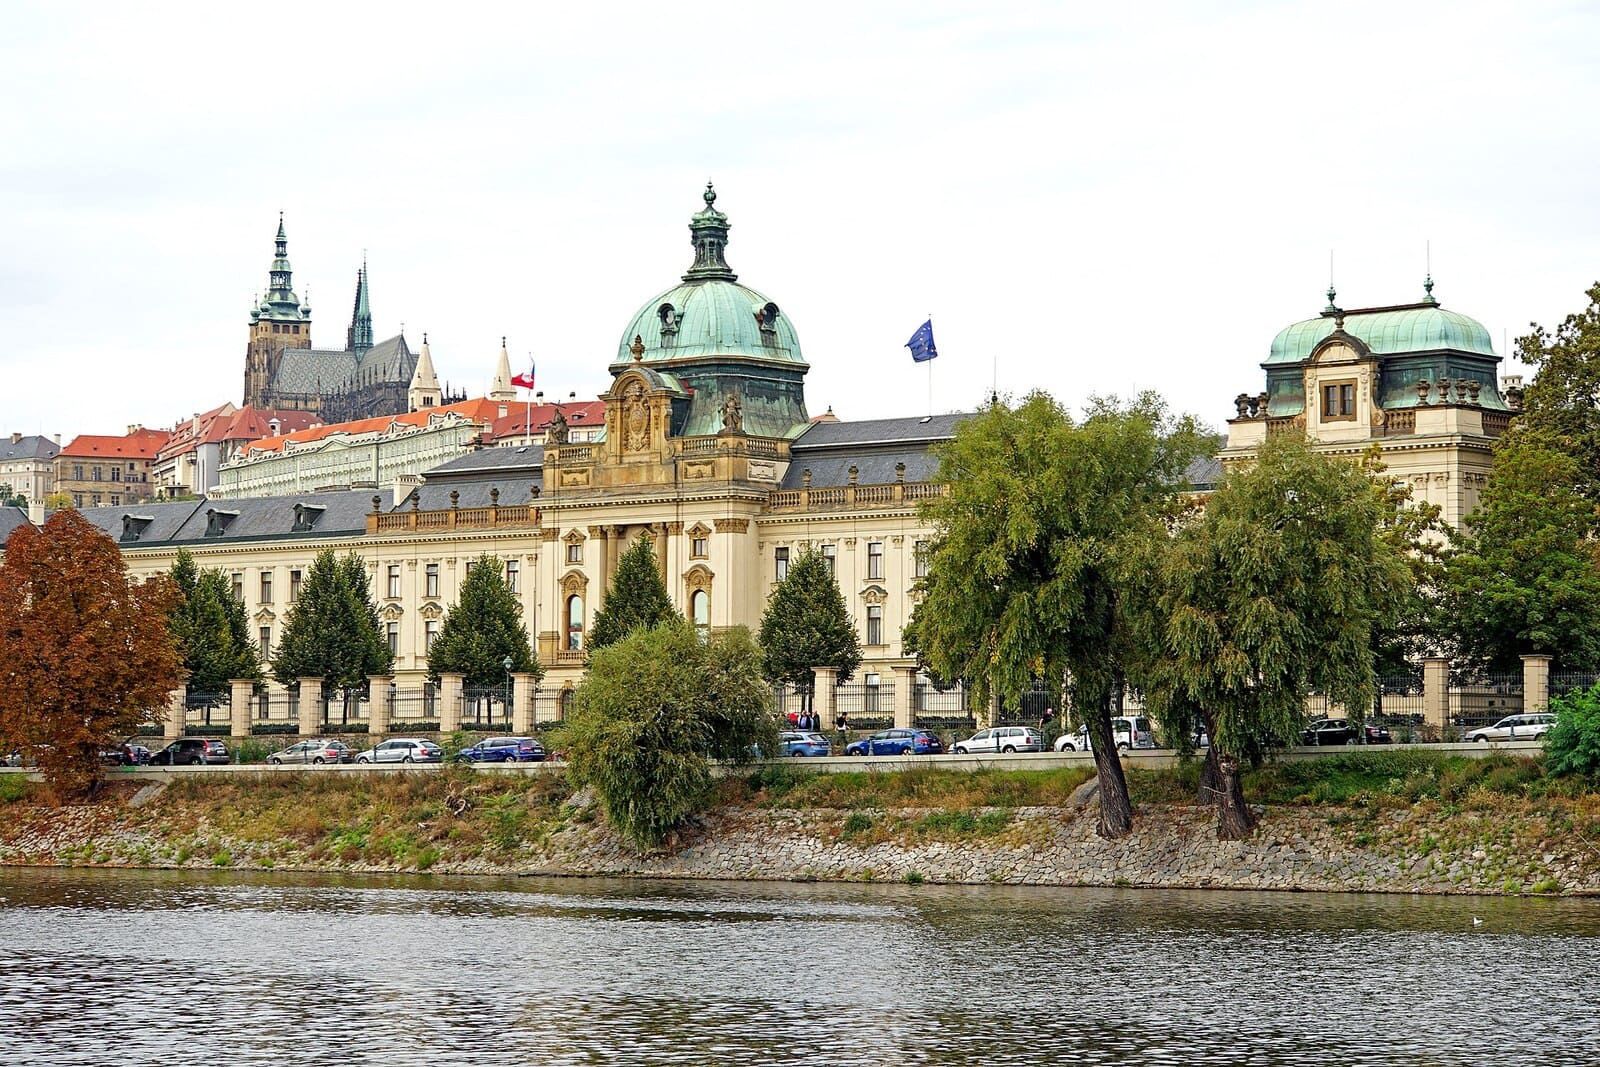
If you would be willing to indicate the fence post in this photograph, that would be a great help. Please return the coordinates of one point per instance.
(310, 707)
(1535, 683)
(905, 700)
(1436, 693)
(380, 705)
(523, 687)
(825, 695)
(241, 691)
(450, 696)
(177, 714)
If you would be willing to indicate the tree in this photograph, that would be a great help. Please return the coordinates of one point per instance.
(655, 708)
(332, 632)
(483, 629)
(1028, 575)
(85, 655)
(1573, 745)
(1561, 406)
(57, 501)
(806, 625)
(211, 629)
(1524, 577)
(636, 599)
(1279, 587)
(10, 498)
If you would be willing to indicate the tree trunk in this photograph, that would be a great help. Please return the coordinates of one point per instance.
(1235, 820)
(1116, 810)
(1210, 791)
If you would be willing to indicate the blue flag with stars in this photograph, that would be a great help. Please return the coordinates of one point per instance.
(921, 343)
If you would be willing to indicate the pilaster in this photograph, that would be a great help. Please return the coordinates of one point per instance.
(1436, 693)
(905, 704)
(450, 697)
(380, 705)
(1535, 683)
(310, 707)
(523, 687)
(240, 692)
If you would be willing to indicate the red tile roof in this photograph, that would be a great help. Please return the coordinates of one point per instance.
(140, 444)
(580, 413)
(481, 410)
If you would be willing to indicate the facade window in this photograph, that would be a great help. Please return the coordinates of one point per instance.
(94, 500)
(116, 498)
(874, 624)
(574, 623)
(514, 576)
(432, 578)
(266, 642)
(430, 630)
(394, 581)
(700, 612)
(237, 581)
(1339, 400)
(875, 560)
(922, 550)
(699, 547)
(294, 586)
(116, 474)
(77, 500)
(77, 472)
(575, 552)
(393, 630)
(95, 473)
(830, 556)
(780, 560)
(266, 587)
(872, 695)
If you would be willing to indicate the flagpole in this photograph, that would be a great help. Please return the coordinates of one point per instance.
(930, 370)
(527, 418)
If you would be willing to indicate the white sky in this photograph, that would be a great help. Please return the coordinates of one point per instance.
(1091, 198)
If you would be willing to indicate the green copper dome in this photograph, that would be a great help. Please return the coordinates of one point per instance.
(709, 314)
(1388, 331)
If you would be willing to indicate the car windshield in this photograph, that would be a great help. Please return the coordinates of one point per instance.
(815, 738)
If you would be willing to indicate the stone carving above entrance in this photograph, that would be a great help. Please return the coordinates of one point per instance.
(635, 418)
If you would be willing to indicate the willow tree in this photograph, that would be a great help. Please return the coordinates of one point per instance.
(1278, 588)
(1030, 563)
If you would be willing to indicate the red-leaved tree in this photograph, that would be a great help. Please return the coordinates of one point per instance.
(85, 655)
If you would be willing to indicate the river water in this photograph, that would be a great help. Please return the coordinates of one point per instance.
(128, 968)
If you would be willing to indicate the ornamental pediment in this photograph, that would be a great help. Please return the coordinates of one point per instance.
(392, 612)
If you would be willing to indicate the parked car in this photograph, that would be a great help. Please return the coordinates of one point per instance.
(1342, 732)
(1002, 739)
(1130, 731)
(125, 756)
(316, 751)
(503, 750)
(804, 743)
(402, 750)
(1515, 728)
(899, 742)
(191, 751)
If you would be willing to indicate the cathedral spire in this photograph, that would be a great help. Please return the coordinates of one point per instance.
(281, 305)
(501, 388)
(708, 231)
(358, 338)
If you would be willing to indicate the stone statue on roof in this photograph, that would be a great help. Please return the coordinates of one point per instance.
(732, 414)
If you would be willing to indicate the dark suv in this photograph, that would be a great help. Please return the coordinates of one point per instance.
(192, 751)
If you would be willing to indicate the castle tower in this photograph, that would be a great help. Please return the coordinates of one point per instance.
(278, 322)
(424, 391)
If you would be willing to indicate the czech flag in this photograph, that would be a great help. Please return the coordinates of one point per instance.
(524, 380)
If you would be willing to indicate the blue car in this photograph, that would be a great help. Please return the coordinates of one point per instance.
(896, 743)
(804, 743)
(503, 750)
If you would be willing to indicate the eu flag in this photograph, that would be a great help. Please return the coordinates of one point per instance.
(921, 343)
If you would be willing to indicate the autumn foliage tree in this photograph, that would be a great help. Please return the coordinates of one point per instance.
(85, 654)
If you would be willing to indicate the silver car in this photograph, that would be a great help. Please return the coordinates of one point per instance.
(1515, 728)
(315, 751)
(1001, 739)
(402, 750)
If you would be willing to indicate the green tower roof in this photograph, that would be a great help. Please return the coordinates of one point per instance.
(1388, 331)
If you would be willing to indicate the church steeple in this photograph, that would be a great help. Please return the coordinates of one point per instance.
(424, 391)
(708, 232)
(501, 388)
(280, 303)
(358, 338)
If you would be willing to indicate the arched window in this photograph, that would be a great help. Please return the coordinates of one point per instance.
(700, 612)
(574, 622)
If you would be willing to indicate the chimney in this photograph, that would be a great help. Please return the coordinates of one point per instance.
(16, 438)
(134, 428)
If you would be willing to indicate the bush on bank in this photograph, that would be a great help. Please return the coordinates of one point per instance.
(1573, 746)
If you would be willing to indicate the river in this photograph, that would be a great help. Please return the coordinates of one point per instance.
(150, 967)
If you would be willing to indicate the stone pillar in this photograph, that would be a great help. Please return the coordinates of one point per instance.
(659, 532)
(177, 714)
(1535, 683)
(450, 695)
(905, 701)
(240, 692)
(1436, 694)
(310, 707)
(825, 700)
(614, 545)
(523, 686)
(380, 706)
(602, 573)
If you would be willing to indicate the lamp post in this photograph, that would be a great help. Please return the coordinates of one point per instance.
(508, 663)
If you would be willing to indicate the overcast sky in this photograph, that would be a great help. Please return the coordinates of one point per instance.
(1093, 198)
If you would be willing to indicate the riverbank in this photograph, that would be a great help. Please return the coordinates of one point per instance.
(1389, 821)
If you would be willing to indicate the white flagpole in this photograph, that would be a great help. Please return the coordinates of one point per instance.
(930, 369)
(527, 418)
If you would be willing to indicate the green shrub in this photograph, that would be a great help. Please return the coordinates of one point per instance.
(856, 824)
(1573, 745)
(250, 750)
(13, 787)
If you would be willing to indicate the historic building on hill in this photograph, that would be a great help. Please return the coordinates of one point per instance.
(1417, 380)
(363, 379)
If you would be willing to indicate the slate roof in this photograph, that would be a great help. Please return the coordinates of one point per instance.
(325, 371)
(513, 471)
(10, 519)
(873, 446)
(31, 447)
(251, 518)
(879, 431)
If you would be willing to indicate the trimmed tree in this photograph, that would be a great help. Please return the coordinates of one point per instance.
(1279, 588)
(806, 625)
(636, 599)
(211, 629)
(1029, 574)
(333, 631)
(85, 655)
(655, 708)
(483, 629)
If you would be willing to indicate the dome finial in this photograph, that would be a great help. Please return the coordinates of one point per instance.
(1332, 294)
(1427, 288)
(710, 196)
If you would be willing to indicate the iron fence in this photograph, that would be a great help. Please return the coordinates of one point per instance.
(486, 707)
(862, 700)
(1565, 682)
(207, 710)
(931, 700)
(413, 706)
(1483, 701)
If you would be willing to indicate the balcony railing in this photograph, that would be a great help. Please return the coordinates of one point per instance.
(853, 496)
(501, 516)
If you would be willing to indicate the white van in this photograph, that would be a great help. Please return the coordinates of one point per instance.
(1130, 731)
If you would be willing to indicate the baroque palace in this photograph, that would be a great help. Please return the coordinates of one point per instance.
(707, 449)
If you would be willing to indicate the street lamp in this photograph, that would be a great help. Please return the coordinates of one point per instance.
(508, 663)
